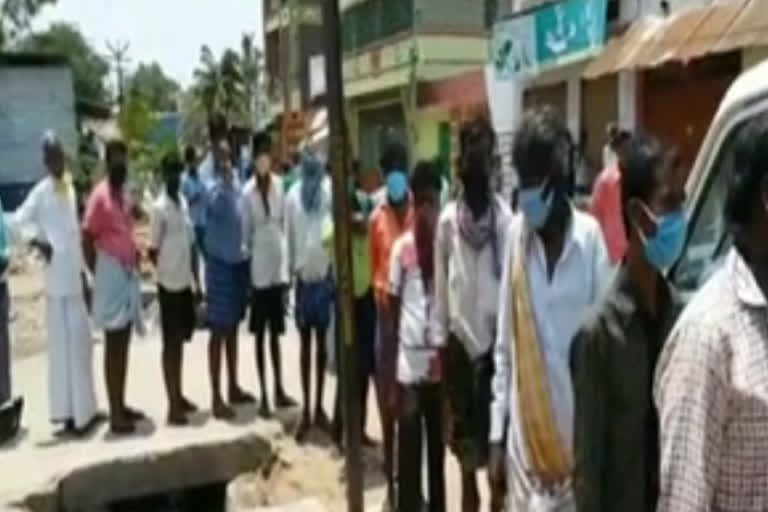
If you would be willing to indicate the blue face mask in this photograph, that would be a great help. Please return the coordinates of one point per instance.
(663, 248)
(397, 187)
(535, 206)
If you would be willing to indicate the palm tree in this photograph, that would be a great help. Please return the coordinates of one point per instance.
(232, 90)
(251, 65)
(207, 86)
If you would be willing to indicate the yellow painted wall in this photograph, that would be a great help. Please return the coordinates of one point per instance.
(427, 123)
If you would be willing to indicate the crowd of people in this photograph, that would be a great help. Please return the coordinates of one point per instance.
(544, 344)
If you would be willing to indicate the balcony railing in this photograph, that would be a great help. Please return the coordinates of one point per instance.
(373, 20)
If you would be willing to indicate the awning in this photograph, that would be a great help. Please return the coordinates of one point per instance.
(683, 36)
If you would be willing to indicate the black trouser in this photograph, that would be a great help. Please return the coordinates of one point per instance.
(365, 324)
(420, 410)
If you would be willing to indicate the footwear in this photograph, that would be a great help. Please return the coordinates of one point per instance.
(222, 411)
(368, 442)
(264, 410)
(283, 401)
(122, 428)
(189, 407)
(90, 425)
(10, 419)
(239, 397)
(134, 414)
(303, 430)
(177, 419)
(322, 422)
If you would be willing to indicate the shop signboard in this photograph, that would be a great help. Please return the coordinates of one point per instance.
(550, 36)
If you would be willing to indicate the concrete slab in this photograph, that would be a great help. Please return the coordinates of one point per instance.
(44, 472)
(305, 505)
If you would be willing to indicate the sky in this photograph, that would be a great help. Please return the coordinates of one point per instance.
(170, 32)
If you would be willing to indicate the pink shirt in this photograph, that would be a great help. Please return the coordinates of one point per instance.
(606, 207)
(108, 220)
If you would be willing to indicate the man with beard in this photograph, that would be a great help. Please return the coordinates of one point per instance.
(112, 255)
(470, 237)
(419, 368)
(554, 264)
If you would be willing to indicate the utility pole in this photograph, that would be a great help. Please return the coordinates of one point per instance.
(339, 157)
(118, 53)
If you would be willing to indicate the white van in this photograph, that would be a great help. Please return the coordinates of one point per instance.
(707, 242)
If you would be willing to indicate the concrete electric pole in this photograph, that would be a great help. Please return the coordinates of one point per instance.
(339, 159)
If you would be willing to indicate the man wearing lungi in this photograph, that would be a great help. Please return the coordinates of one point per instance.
(10, 408)
(389, 221)
(112, 255)
(554, 265)
(49, 216)
(307, 206)
(224, 279)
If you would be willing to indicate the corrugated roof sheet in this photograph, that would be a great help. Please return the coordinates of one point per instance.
(685, 35)
(621, 51)
(750, 28)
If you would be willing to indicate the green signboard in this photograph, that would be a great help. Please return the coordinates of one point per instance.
(548, 37)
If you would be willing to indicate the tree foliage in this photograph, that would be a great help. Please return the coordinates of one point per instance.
(150, 83)
(16, 15)
(229, 84)
(89, 68)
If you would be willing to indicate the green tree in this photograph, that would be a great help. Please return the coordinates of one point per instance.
(207, 82)
(150, 82)
(16, 15)
(89, 68)
(251, 66)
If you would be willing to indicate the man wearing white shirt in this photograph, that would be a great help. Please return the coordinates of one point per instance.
(553, 267)
(50, 214)
(263, 238)
(307, 206)
(172, 246)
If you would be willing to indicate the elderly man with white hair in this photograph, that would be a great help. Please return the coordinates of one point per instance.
(48, 221)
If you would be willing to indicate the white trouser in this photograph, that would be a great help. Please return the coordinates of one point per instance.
(521, 499)
(70, 361)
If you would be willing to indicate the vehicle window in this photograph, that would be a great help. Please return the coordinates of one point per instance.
(707, 241)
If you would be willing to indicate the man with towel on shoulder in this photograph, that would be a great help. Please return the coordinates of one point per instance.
(553, 264)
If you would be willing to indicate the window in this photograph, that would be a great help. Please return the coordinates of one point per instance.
(708, 241)
(373, 20)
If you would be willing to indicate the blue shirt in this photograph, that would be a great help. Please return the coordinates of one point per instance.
(194, 192)
(223, 233)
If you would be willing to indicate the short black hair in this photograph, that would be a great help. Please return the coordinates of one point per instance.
(217, 126)
(113, 147)
(394, 157)
(171, 163)
(477, 135)
(746, 166)
(426, 175)
(641, 158)
(262, 143)
(541, 142)
(190, 154)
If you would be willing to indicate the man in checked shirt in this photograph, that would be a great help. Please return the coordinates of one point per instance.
(711, 385)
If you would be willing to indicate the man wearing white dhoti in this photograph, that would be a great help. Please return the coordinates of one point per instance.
(553, 270)
(49, 216)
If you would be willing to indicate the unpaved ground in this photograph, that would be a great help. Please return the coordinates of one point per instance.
(313, 470)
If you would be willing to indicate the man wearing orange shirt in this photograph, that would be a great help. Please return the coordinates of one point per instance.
(390, 220)
(606, 202)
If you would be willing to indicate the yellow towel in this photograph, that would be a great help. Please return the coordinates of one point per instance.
(550, 462)
(62, 186)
